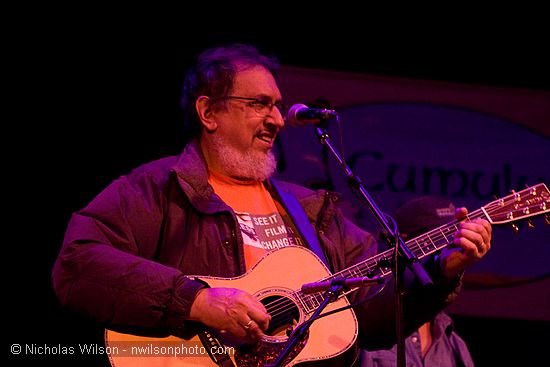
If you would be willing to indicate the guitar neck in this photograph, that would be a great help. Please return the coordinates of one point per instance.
(421, 246)
(379, 265)
(528, 202)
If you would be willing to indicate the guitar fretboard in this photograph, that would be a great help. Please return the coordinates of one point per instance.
(379, 265)
(528, 202)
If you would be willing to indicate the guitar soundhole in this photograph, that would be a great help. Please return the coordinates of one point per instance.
(284, 315)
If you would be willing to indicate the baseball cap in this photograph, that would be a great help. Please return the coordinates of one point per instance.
(422, 214)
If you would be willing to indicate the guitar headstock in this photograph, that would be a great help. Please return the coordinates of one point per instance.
(534, 200)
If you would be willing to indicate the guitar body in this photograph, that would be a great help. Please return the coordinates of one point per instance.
(274, 280)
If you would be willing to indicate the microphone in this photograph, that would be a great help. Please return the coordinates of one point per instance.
(346, 282)
(300, 115)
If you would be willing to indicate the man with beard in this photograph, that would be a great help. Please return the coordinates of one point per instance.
(129, 257)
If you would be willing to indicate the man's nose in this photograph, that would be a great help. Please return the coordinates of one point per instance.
(277, 117)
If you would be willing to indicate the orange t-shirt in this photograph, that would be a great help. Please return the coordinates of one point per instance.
(261, 224)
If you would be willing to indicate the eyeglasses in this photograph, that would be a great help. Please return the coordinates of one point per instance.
(262, 106)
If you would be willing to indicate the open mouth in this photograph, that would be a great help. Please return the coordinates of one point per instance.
(266, 137)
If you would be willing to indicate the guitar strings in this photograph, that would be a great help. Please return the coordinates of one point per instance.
(436, 236)
(284, 305)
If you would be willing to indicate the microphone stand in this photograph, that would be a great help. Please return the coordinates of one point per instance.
(404, 257)
(300, 331)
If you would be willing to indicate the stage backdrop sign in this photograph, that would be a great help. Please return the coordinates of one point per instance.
(404, 150)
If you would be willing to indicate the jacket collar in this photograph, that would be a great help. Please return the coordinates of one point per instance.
(192, 175)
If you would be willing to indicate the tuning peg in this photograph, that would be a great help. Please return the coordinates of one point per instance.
(530, 224)
(533, 190)
(515, 228)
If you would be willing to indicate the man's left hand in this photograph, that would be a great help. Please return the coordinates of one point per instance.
(471, 242)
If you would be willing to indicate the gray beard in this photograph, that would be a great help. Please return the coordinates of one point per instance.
(251, 165)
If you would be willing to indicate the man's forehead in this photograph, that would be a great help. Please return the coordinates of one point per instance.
(257, 80)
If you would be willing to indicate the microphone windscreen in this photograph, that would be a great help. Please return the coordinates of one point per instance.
(292, 115)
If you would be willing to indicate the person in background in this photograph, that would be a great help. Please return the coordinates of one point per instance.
(130, 257)
(435, 343)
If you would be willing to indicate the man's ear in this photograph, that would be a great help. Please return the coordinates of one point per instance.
(204, 110)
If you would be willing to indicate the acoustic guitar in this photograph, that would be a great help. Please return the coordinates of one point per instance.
(276, 281)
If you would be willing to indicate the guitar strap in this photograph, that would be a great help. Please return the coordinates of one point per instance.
(299, 218)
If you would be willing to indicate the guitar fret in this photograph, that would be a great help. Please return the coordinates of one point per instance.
(385, 271)
(300, 296)
(307, 304)
(448, 237)
(317, 300)
(373, 265)
(454, 225)
(430, 248)
(444, 236)
(421, 249)
(312, 301)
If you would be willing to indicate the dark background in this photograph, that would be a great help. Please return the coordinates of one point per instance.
(95, 97)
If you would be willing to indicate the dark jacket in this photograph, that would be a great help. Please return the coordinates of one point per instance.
(126, 255)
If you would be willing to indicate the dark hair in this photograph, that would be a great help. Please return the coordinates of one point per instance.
(213, 75)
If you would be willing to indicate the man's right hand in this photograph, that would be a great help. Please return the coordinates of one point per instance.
(237, 316)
